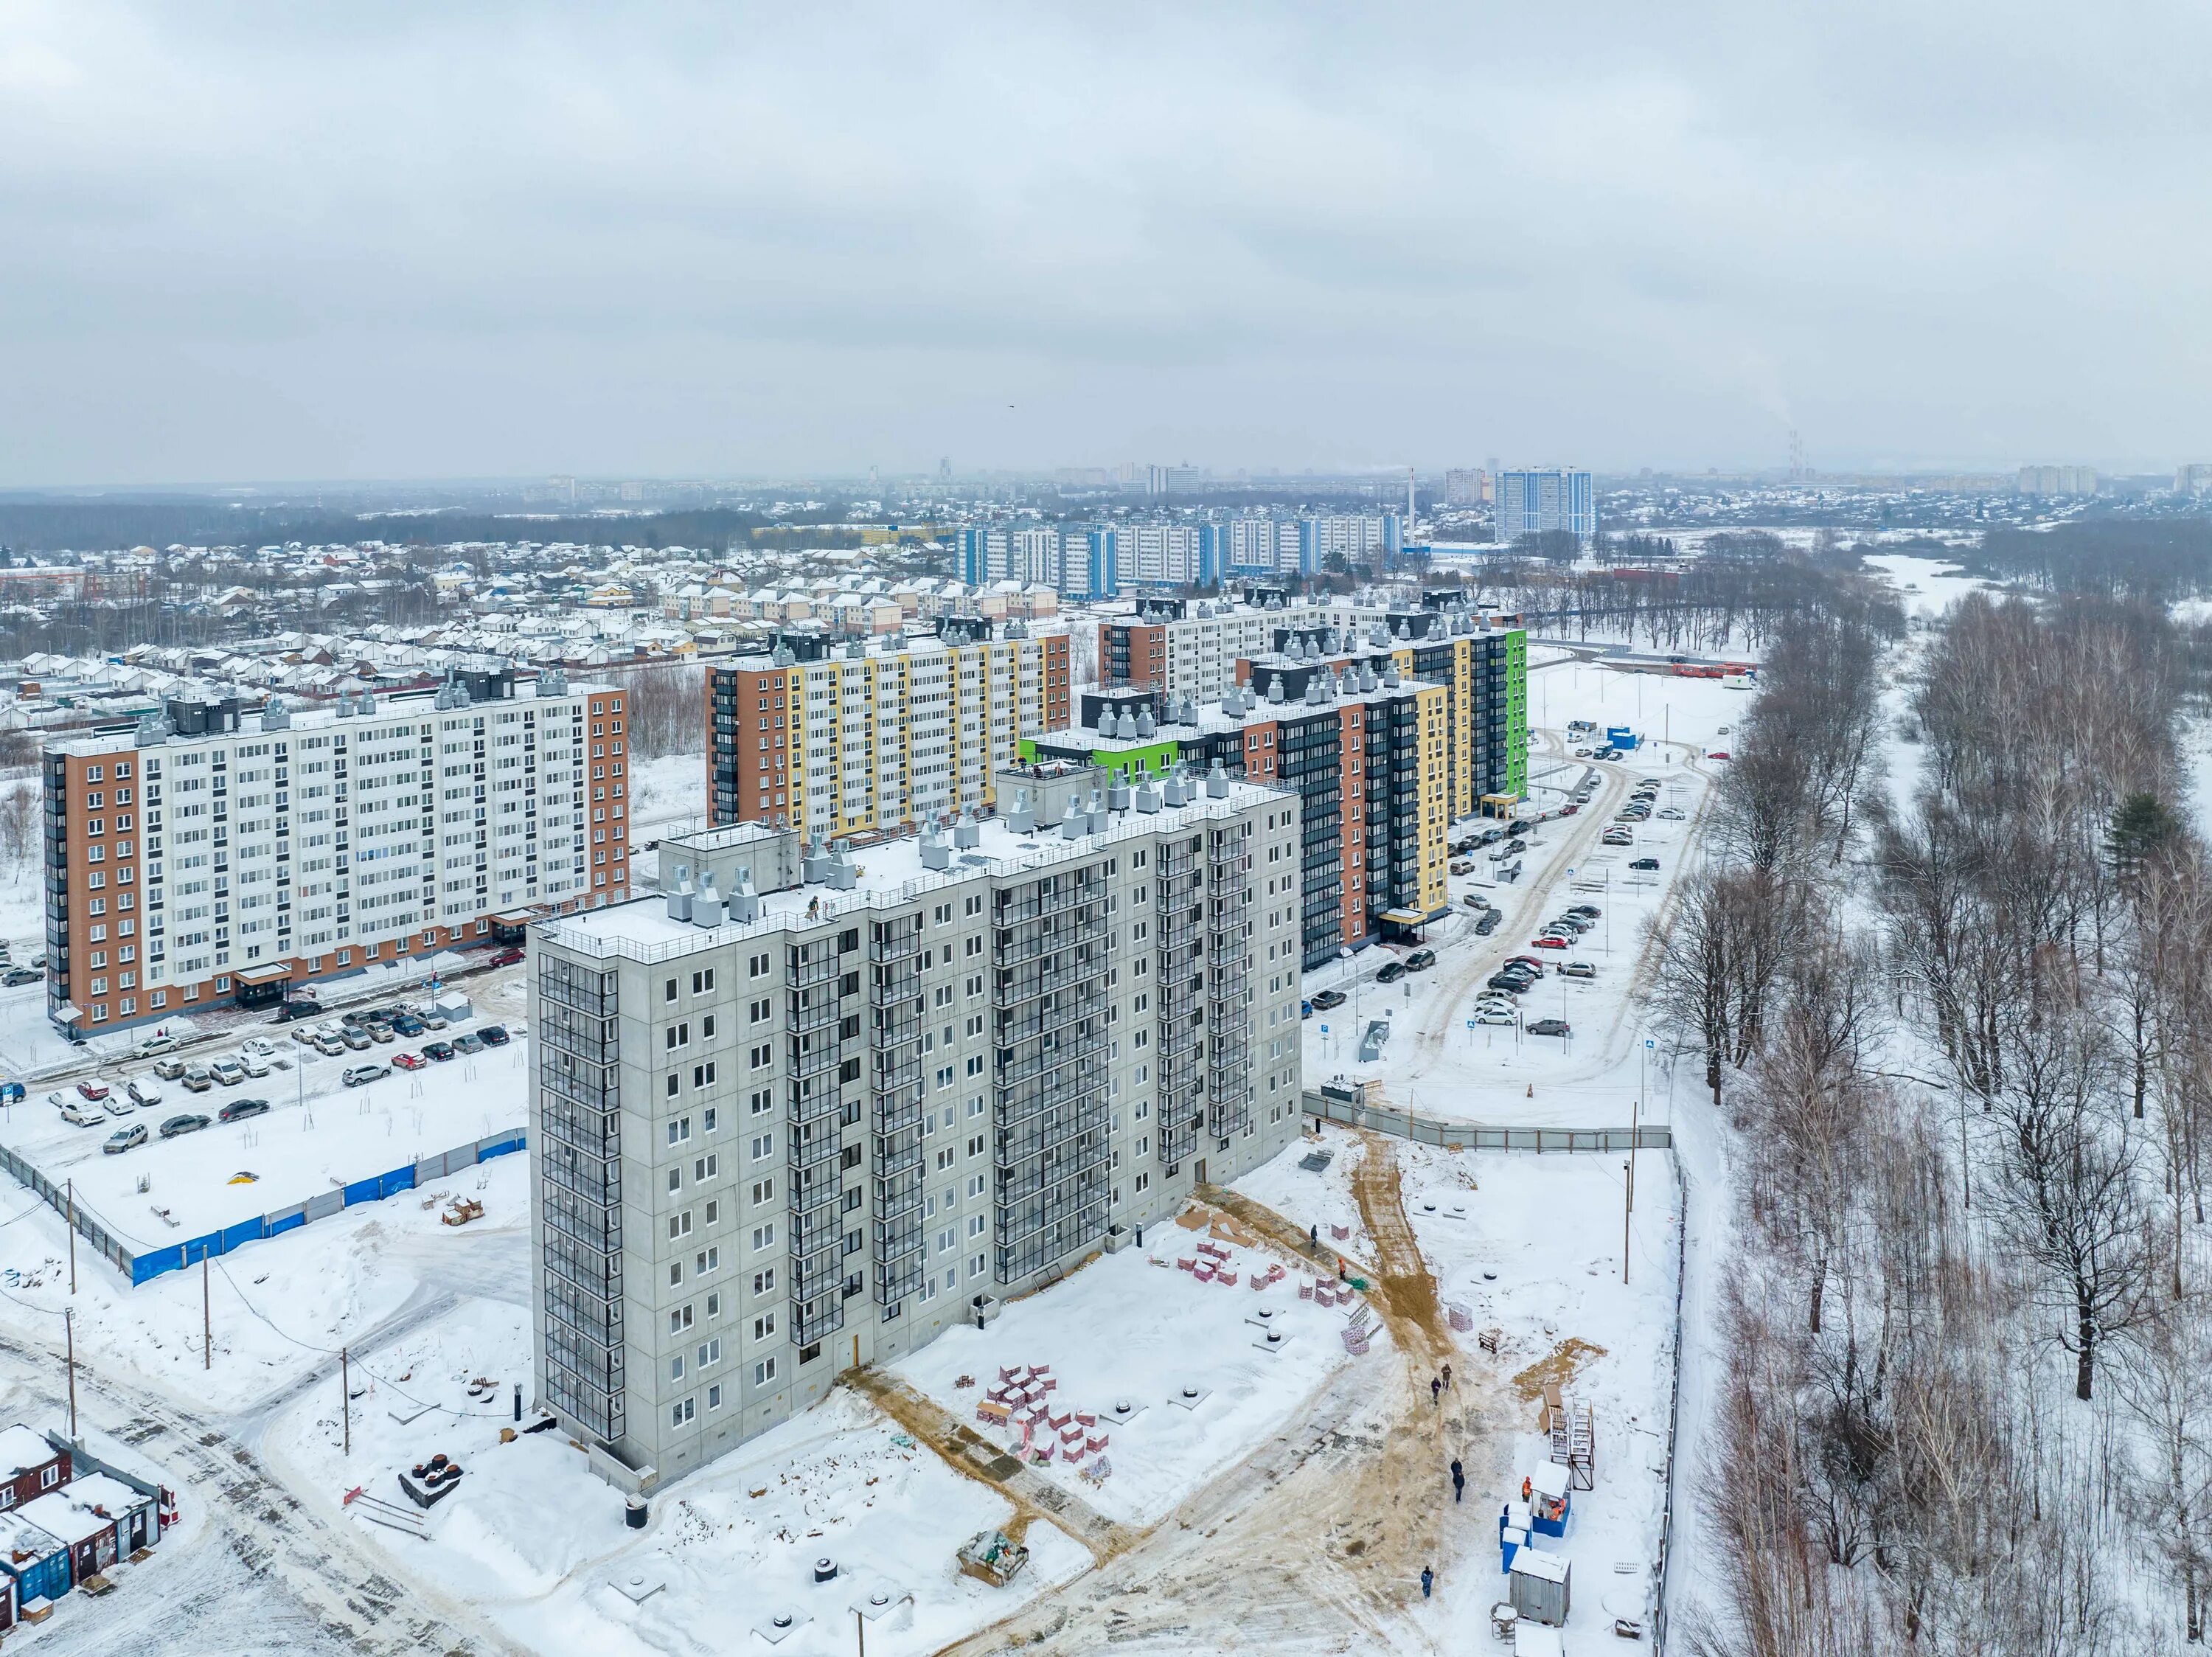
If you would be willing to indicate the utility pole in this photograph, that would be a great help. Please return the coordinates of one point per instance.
(206, 1320)
(346, 1398)
(1629, 1168)
(72, 1234)
(68, 1335)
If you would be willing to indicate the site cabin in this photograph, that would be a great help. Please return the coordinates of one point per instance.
(1550, 1506)
(1539, 1586)
(29, 1467)
(90, 1538)
(135, 1515)
(35, 1561)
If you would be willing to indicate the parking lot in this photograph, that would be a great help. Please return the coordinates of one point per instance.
(296, 1129)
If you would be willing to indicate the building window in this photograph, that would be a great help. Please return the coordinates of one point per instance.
(764, 1372)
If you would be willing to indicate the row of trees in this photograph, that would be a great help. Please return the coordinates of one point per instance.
(1960, 1031)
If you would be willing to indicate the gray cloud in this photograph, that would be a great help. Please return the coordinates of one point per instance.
(265, 240)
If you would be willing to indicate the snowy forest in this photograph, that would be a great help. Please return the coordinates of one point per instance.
(1947, 971)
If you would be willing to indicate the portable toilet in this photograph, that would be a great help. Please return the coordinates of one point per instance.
(1512, 1532)
(1620, 737)
(453, 1005)
(1549, 1503)
(1539, 1586)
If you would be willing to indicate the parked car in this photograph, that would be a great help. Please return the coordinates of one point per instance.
(507, 957)
(1391, 972)
(1588, 912)
(254, 1064)
(1528, 962)
(1486, 923)
(1492, 1015)
(1325, 999)
(170, 1069)
(1510, 983)
(1474, 900)
(1549, 1027)
(295, 1009)
(1577, 970)
(441, 1050)
(153, 1045)
(408, 1025)
(182, 1124)
(228, 1071)
(90, 1089)
(83, 1115)
(1645, 863)
(1463, 866)
(1616, 837)
(432, 1019)
(381, 1032)
(1551, 943)
(494, 1035)
(124, 1139)
(239, 1109)
(1420, 960)
(196, 1079)
(143, 1093)
(408, 1060)
(360, 1076)
(1671, 815)
(354, 1037)
(15, 977)
(331, 1046)
(305, 1037)
(260, 1046)
(1721, 755)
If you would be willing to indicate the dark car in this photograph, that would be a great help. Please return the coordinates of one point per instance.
(507, 957)
(409, 1026)
(300, 1007)
(181, 1125)
(1486, 923)
(1588, 912)
(493, 1035)
(469, 1043)
(1548, 1027)
(1391, 972)
(1420, 960)
(1644, 863)
(239, 1109)
(1325, 999)
(439, 1051)
(1511, 982)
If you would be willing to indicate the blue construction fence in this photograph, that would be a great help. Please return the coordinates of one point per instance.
(375, 1188)
(140, 1266)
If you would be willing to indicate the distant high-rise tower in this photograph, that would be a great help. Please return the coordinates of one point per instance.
(1557, 497)
(945, 469)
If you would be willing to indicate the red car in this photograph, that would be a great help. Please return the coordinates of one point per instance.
(1569, 811)
(1551, 943)
(1526, 960)
(410, 1060)
(1722, 754)
(94, 1091)
(507, 957)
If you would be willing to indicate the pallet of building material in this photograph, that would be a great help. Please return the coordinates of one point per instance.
(1461, 1319)
(1355, 1341)
(990, 1556)
(1490, 1340)
(1192, 1218)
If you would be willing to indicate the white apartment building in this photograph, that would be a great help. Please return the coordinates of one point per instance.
(209, 853)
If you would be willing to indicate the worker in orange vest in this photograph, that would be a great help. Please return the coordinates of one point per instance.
(1527, 1490)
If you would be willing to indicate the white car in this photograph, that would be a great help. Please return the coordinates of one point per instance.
(143, 1093)
(254, 1064)
(117, 1105)
(260, 1047)
(1493, 1015)
(82, 1114)
(228, 1071)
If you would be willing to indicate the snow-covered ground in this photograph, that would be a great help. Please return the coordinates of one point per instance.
(1531, 1246)
(318, 1135)
(537, 1542)
(1124, 1329)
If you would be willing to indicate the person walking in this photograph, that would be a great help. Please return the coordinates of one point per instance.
(1447, 1374)
(1312, 1238)
(1428, 1580)
(1436, 1391)
(1459, 1482)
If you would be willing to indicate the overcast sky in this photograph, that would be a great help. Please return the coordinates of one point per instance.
(276, 241)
